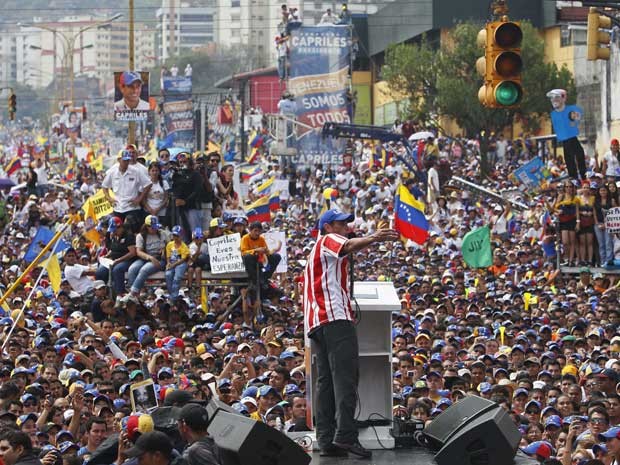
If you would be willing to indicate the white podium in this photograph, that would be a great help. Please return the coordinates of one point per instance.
(376, 300)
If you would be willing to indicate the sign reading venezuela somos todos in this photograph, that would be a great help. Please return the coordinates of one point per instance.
(319, 78)
(179, 109)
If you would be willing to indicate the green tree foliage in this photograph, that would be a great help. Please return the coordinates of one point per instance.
(445, 82)
(411, 70)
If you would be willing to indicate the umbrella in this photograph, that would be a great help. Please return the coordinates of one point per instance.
(5, 183)
(421, 135)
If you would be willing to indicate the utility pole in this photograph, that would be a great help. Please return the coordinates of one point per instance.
(172, 22)
(131, 136)
(203, 121)
(244, 145)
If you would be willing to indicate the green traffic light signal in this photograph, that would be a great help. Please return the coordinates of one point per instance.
(508, 93)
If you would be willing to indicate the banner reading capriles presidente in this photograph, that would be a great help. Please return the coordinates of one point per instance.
(179, 109)
(319, 77)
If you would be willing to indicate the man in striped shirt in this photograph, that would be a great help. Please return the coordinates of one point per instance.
(329, 321)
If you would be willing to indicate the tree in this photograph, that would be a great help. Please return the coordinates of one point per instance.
(411, 70)
(448, 81)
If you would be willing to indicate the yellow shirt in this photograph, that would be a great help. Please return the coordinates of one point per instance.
(256, 416)
(174, 253)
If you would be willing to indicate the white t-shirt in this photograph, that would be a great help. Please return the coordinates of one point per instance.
(157, 197)
(613, 165)
(126, 186)
(77, 279)
(41, 175)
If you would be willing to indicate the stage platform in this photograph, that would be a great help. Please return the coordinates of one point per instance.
(416, 456)
(593, 270)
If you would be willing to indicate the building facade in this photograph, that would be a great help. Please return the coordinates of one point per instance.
(183, 26)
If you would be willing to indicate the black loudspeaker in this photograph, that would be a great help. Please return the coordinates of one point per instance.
(459, 413)
(473, 431)
(243, 441)
(216, 405)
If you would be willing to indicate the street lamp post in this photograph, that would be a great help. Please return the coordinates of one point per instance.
(69, 44)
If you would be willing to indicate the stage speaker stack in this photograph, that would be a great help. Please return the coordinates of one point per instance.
(243, 441)
(473, 431)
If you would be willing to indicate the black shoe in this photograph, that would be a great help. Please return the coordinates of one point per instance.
(333, 451)
(355, 449)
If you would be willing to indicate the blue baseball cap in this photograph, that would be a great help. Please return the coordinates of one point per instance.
(334, 215)
(129, 77)
(65, 446)
(611, 433)
(540, 448)
(553, 420)
(290, 389)
(224, 382)
(266, 390)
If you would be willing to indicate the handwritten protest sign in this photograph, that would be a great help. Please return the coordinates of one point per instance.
(225, 254)
(273, 238)
(612, 220)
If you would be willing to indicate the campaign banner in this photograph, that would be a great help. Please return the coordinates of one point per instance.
(179, 109)
(179, 87)
(612, 220)
(533, 174)
(225, 254)
(131, 95)
(319, 78)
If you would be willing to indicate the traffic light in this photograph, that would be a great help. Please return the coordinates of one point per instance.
(598, 41)
(12, 103)
(501, 65)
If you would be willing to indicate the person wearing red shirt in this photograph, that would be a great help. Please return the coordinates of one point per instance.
(329, 321)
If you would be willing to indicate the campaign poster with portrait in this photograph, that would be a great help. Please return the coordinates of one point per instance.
(131, 95)
(143, 396)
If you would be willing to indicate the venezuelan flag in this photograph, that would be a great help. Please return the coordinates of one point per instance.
(259, 210)
(265, 188)
(409, 218)
(274, 202)
(249, 171)
(14, 165)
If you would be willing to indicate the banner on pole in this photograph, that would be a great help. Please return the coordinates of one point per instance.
(319, 80)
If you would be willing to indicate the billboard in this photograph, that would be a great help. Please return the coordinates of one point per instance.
(319, 78)
(179, 109)
(131, 95)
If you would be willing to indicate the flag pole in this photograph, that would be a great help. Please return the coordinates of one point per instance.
(35, 262)
(21, 312)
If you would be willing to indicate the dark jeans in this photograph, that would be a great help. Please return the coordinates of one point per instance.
(337, 354)
(252, 267)
(574, 158)
(118, 275)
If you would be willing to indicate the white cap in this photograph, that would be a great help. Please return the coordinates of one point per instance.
(251, 400)
(68, 414)
(556, 93)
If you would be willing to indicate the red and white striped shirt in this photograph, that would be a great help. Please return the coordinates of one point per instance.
(326, 284)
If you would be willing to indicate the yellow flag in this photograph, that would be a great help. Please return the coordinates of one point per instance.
(204, 302)
(53, 271)
(527, 298)
(212, 147)
(97, 163)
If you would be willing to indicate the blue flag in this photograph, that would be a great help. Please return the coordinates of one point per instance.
(41, 239)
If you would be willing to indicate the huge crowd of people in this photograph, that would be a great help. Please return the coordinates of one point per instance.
(541, 343)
